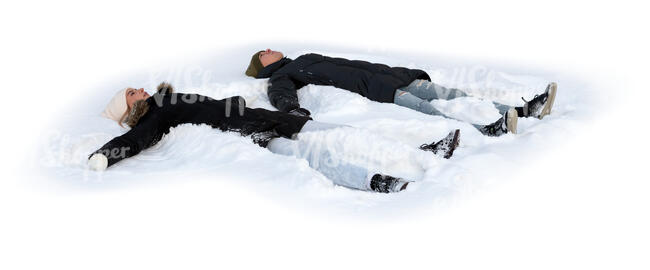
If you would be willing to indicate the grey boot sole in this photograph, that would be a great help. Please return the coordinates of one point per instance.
(511, 121)
(549, 101)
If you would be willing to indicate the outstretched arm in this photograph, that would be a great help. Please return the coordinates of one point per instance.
(282, 93)
(140, 137)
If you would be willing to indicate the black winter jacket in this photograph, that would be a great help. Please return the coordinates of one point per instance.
(377, 82)
(167, 111)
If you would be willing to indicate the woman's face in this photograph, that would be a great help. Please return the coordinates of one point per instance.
(133, 95)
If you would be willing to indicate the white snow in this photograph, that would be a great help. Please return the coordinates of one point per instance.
(577, 197)
(191, 152)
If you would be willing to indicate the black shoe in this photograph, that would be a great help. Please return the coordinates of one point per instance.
(386, 183)
(540, 105)
(445, 146)
(505, 124)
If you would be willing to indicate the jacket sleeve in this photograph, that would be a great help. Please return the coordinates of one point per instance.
(234, 105)
(140, 137)
(282, 93)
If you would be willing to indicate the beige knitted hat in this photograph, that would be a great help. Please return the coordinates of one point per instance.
(117, 107)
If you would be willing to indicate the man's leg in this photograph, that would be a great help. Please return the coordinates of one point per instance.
(408, 100)
(502, 108)
(429, 91)
(504, 124)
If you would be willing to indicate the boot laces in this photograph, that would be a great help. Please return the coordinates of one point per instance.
(536, 95)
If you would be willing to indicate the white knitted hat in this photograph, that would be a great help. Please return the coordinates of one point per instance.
(117, 107)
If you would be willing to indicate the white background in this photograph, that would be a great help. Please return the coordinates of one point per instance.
(585, 207)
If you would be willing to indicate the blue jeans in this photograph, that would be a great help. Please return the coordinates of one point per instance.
(320, 158)
(420, 93)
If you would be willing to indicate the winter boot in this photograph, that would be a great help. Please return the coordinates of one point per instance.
(446, 146)
(540, 105)
(505, 124)
(386, 183)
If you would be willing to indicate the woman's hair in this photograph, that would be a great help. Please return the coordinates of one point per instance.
(139, 108)
(123, 117)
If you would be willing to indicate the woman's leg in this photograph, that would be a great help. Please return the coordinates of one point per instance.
(330, 161)
(319, 126)
(343, 174)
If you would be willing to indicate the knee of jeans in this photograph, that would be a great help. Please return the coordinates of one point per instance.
(458, 93)
(426, 107)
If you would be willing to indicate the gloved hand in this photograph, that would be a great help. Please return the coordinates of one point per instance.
(98, 162)
(300, 112)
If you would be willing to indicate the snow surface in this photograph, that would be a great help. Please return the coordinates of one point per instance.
(191, 151)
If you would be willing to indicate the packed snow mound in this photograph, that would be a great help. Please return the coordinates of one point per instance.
(192, 152)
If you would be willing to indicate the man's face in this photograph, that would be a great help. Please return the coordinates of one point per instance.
(269, 57)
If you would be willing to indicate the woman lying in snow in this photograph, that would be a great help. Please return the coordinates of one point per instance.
(411, 88)
(151, 117)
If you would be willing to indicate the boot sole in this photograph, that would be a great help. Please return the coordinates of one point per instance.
(454, 144)
(511, 121)
(549, 101)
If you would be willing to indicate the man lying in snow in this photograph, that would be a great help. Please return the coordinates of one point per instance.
(411, 88)
(151, 117)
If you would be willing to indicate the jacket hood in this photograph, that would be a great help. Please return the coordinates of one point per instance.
(267, 71)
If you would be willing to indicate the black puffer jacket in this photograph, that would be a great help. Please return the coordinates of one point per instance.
(377, 82)
(167, 111)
